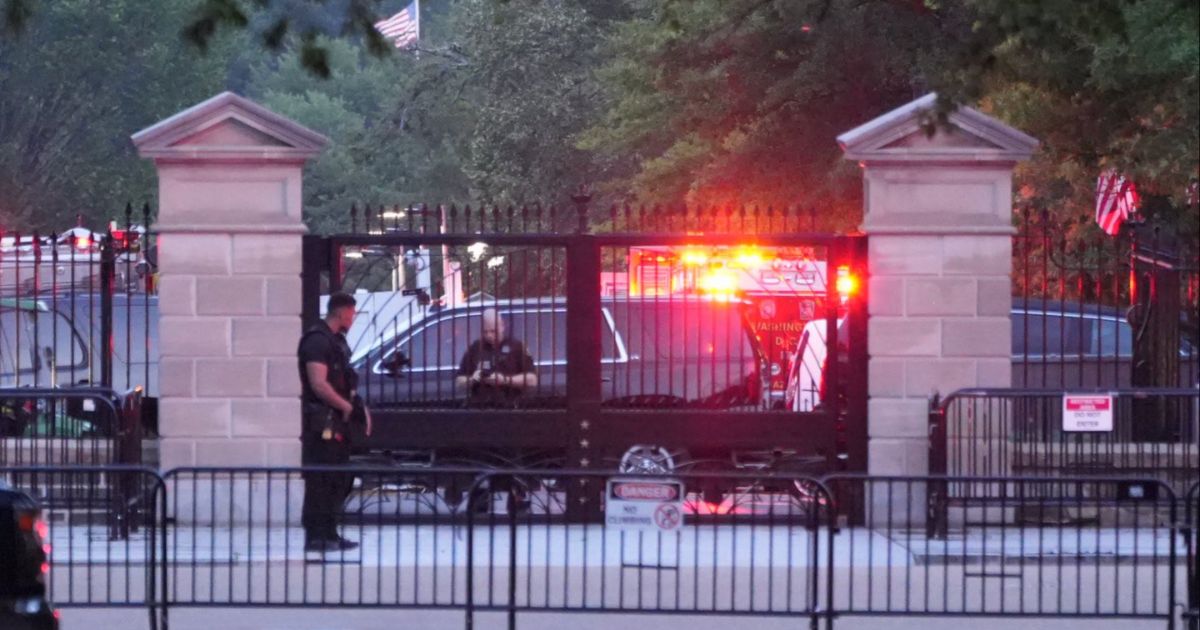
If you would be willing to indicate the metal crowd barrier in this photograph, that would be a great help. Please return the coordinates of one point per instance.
(1191, 533)
(1155, 433)
(104, 527)
(501, 542)
(1111, 552)
(76, 426)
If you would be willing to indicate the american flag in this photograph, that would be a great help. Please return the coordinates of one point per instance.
(403, 28)
(1116, 199)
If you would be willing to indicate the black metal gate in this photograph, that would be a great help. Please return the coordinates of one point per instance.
(657, 340)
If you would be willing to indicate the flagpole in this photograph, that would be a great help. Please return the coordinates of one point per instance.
(417, 4)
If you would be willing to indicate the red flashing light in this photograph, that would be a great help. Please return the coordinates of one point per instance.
(847, 283)
(719, 282)
(83, 242)
(694, 257)
(45, 567)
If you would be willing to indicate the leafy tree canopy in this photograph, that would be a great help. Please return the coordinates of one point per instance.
(83, 76)
(514, 101)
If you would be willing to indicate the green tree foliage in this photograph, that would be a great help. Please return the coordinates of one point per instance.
(484, 110)
(82, 76)
(740, 101)
(530, 79)
(386, 122)
(516, 101)
(1114, 86)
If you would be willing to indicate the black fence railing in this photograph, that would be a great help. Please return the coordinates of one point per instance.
(1191, 532)
(104, 526)
(756, 553)
(1116, 557)
(700, 338)
(1151, 433)
(80, 308)
(1107, 312)
(85, 425)
(501, 541)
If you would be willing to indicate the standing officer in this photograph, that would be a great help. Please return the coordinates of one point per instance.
(329, 406)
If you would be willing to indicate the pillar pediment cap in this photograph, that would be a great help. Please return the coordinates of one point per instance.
(228, 127)
(972, 138)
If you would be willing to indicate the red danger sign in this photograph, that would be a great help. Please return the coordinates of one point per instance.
(644, 505)
(645, 491)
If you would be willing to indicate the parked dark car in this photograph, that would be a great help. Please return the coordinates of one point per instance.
(654, 354)
(1070, 344)
(1055, 344)
(23, 604)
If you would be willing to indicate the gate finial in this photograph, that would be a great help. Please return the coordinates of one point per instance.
(582, 196)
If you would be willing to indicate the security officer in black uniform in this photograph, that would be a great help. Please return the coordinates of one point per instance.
(329, 408)
(496, 369)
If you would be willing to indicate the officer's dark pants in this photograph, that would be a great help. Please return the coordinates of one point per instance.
(324, 492)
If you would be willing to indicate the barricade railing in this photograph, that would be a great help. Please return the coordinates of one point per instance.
(104, 528)
(662, 545)
(237, 538)
(1191, 533)
(1110, 553)
(76, 426)
(1026, 433)
(737, 544)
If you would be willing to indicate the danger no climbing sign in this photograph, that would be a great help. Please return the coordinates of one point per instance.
(1087, 412)
(647, 505)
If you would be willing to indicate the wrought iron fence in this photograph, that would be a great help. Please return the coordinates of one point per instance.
(80, 308)
(700, 338)
(501, 541)
(1106, 312)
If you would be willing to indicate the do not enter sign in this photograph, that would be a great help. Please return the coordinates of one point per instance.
(1087, 412)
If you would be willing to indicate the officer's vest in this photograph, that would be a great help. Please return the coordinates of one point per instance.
(340, 375)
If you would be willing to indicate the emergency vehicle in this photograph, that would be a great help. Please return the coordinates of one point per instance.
(786, 287)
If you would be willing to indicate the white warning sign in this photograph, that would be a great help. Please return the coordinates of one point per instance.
(641, 504)
(1087, 412)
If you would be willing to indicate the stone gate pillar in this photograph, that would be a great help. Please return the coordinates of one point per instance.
(938, 215)
(229, 233)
